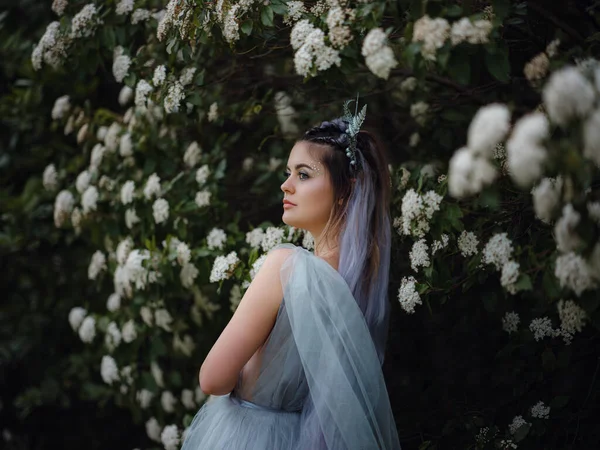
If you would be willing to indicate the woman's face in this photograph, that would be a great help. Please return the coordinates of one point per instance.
(308, 192)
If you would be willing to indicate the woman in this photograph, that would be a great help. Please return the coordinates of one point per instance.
(298, 365)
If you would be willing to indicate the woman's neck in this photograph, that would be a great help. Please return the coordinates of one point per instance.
(327, 249)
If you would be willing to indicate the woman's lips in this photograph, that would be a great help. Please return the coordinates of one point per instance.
(287, 204)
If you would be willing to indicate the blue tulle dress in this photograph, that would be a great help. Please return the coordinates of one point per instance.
(318, 384)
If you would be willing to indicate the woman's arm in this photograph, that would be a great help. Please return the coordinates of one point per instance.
(247, 330)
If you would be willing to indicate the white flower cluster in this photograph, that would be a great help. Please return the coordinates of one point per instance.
(568, 95)
(216, 239)
(85, 22)
(232, 18)
(131, 273)
(76, 316)
(50, 178)
(440, 244)
(192, 154)
(433, 33)
(174, 97)
(109, 369)
(572, 316)
(223, 267)
(51, 49)
(379, 57)
(202, 198)
(179, 15)
(340, 34)
(202, 175)
(419, 256)
(526, 154)
(517, 423)
(273, 236)
(257, 265)
(97, 265)
(541, 327)
(121, 64)
(140, 15)
(160, 210)
(295, 9)
(417, 210)
(565, 231)
(467, 243)
(540, 411)
(286, 114)
(574, 272)
(142, 89)
(311, 50)
(59, 6)
(62, 106)
(170, 437)
(213, 112)
(471, 168)
(408, 295)
(510, 322)
(547, 197)
(188, 275)
(498, 250)
(255, 237)
(124, 7)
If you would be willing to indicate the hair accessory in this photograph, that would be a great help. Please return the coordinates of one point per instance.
(354, 123)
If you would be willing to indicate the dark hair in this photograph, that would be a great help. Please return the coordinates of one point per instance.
(360, 219)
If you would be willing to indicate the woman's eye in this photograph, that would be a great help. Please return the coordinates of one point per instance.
(303, 176)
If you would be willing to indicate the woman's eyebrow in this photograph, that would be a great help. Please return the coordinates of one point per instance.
(299, 166)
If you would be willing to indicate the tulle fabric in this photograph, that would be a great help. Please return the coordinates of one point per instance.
(320, 384)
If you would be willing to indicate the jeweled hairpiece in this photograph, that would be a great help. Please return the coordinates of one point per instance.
(354, 123)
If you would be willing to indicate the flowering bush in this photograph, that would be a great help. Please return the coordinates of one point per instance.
(192, 110)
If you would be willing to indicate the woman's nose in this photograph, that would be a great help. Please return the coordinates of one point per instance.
(287, 186)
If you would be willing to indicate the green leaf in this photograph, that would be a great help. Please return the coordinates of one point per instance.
(459, 66)
(560, 401)
(524, 283)
(247, 26)
(454, 11)
(266, 16)
(498, 65)
(501, 9)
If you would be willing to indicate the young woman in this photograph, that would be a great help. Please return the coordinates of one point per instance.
(298, 367)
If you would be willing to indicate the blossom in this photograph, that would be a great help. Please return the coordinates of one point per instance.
(187, 399)
(216, 239)
(417, 211)
(308, 241)
(525, 153)
(565, 229)
(568, 95)
(120, 68)
(131, 218)
(202, 174)
(517, 423)
(432, 33)
(213, 112)
(97, 155)
(418, 111)
(124, 7)
(295, 9)
(97, 265)
(510, 322)
(163, 319)
(476, 32)
(51, 49)
(312, 49)
(593, 209)
(488, 128)
(541, 328)
(142, 89)
(257, 265)
(50, 178)
(183, 253)
(469, 173)
(160, 210)
(140, 15)
(540, 411)
(185, 345)
(202, 198)
(125, 145)
(76, 316)
(419, 256)
(467, 243)
(574, 273)
(61, 108)
(129, 332)
(109, 370)
(168, 401)
(192, 154)
(408, 295)
(127, 191)
(63, 205)
(223, 267)
(111, 139)
(144, 397)
(537, 68)
(170, 437)
(187, 76)
(152, 187)
(187, 275)
(572, 316)
(113, 336)
(299, 33)
(440, 245)
(87, 330)
(125, 95)
(255, 237)
(84, 23)
(379, 57)
(546, 198)
(286, 114)
(510, 275)
(82, 133)
(498, 250)
(153, 429)
(114, 302)
(132, 272)
(59, 6)
(89, 199)
(83, 181)
(273, 237)
(174, 97)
